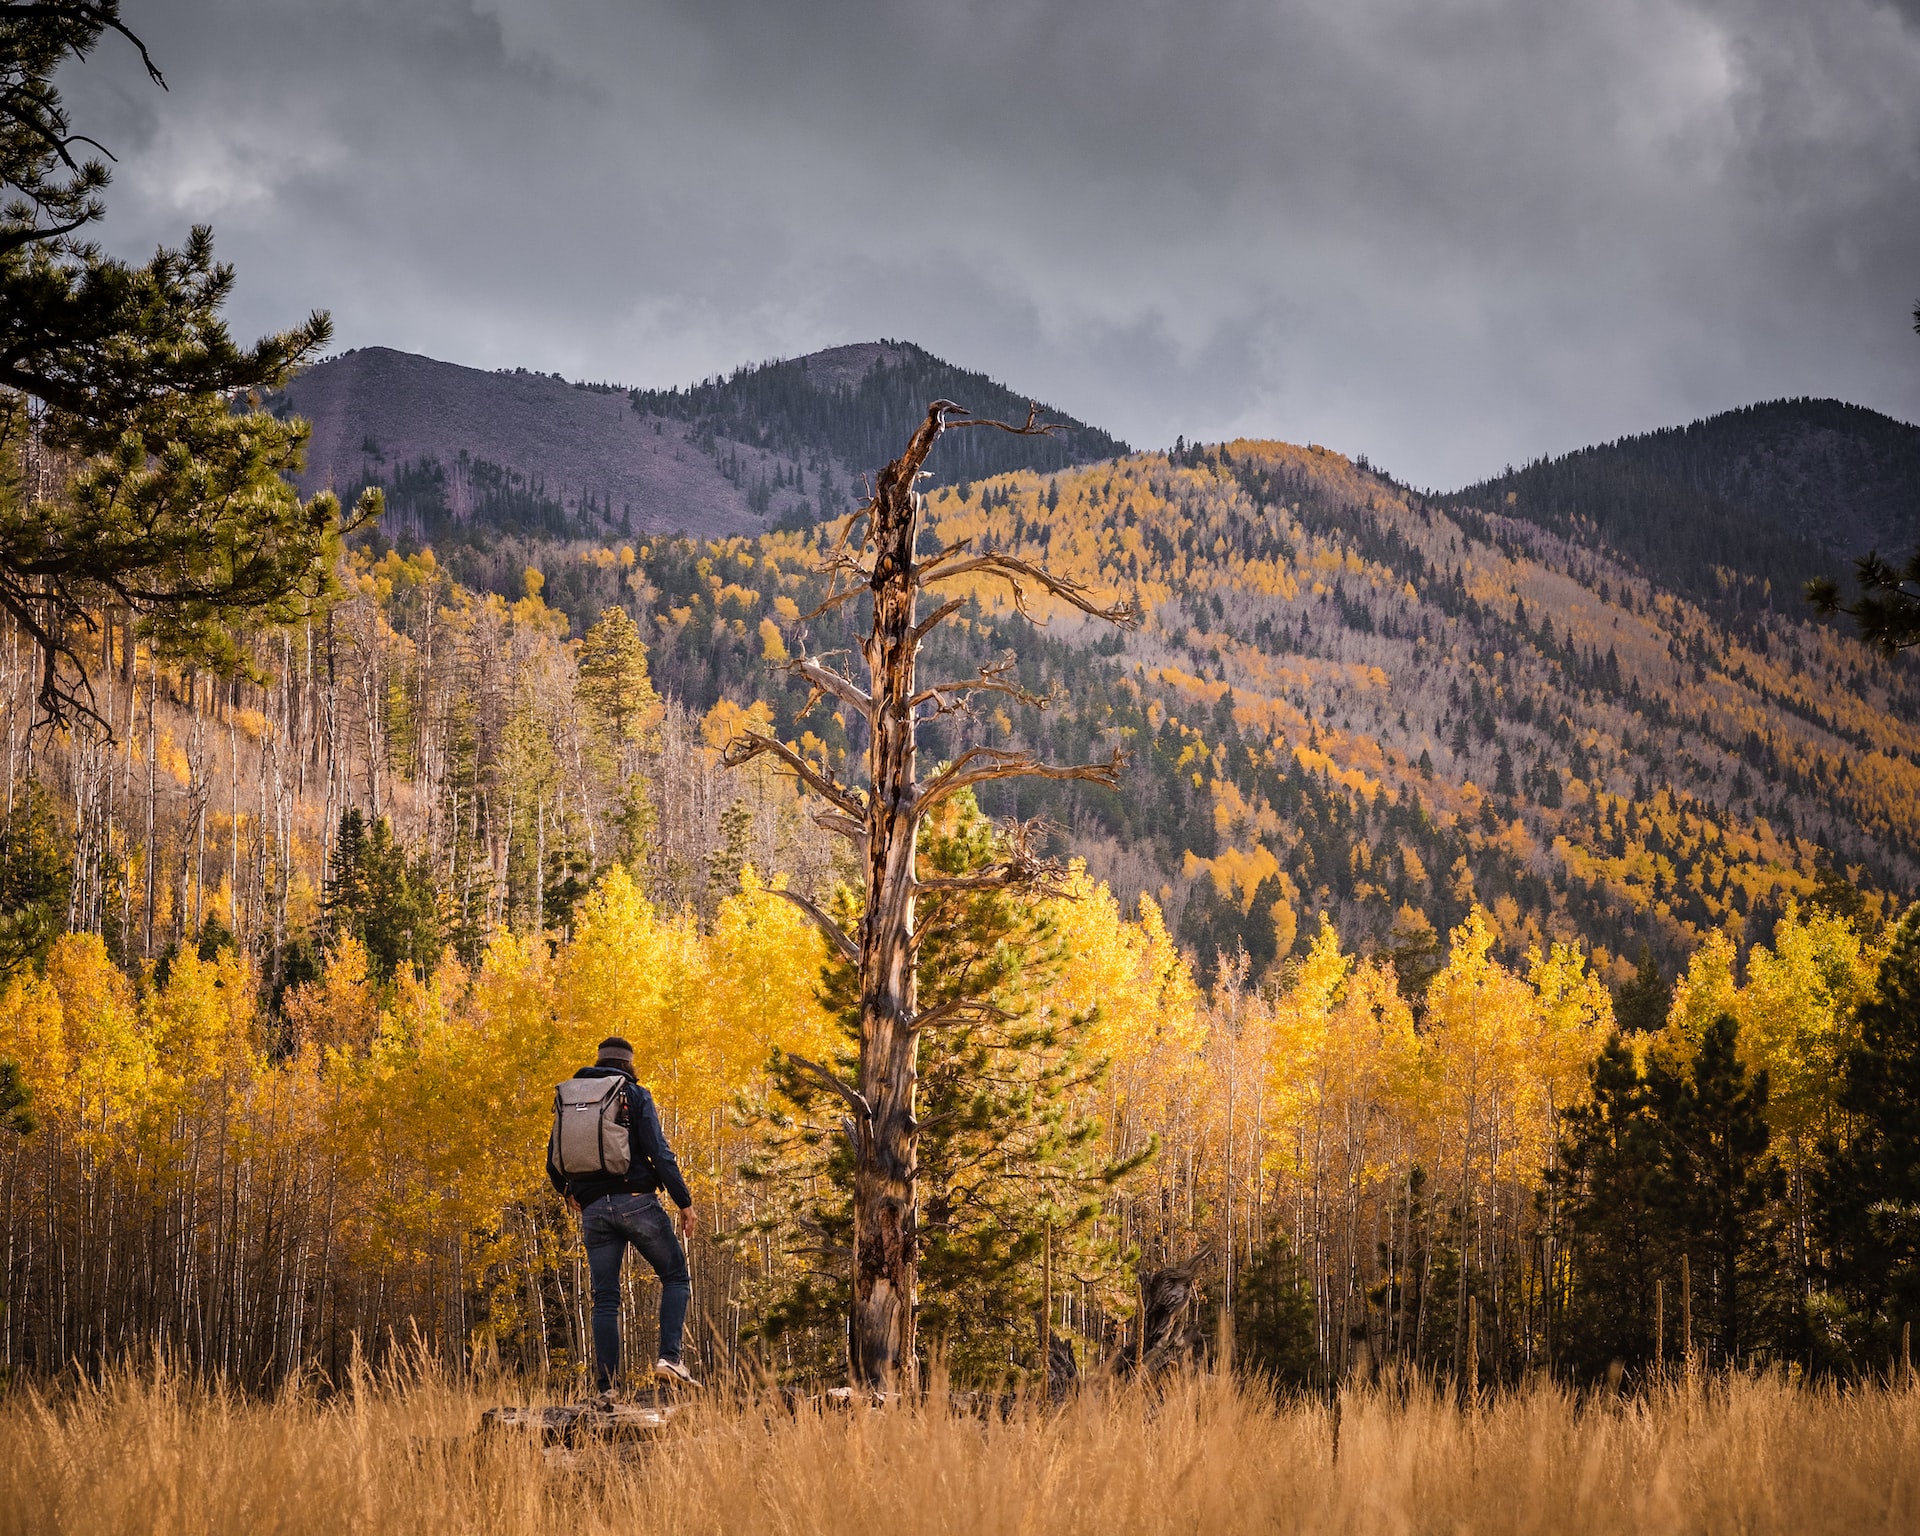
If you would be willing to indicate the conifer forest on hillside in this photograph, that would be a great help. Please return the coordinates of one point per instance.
(1437, 959)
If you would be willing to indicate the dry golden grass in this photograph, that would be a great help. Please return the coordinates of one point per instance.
(1747, 1456)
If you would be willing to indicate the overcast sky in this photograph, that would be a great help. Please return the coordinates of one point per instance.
(1448, 234)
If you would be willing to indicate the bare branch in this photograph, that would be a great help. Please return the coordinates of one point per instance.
(1015, 572)
(959, 1007)
(826, 680)
(834, 934)
(846, 826)
(951, 698)
(1019, 867)
(935, 561)
(748, 745)
(978, 765)
(1033, 427)
(831, 1080)
(833, 600)
(938, 617)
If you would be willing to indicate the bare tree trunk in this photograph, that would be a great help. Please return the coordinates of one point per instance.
(884, 818)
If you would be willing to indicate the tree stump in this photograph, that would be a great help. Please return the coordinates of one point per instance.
(1169, 1336)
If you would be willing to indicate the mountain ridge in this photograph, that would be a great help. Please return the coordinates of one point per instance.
(459, 449)
(1778, 491)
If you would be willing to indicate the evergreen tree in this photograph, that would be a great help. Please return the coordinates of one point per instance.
(35, 872)
(1619, 1210)
(1666, 1160)
(163, 501)
(1868, 1191)
(383, 899)
(1273, 1324)
(16, 1100)
(1010, 1167)
(1641, 1004)
(614, 684)
(1728, 1190)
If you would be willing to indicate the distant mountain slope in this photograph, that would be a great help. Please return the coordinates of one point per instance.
(1772, 493)
(467, 454)
(513, 451)
(860, 403)
(1346, 701)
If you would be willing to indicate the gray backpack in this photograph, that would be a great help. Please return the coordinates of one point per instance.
(590, 1126)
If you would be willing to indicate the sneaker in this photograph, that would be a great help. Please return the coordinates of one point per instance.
(604, 1402)
(674, 1371)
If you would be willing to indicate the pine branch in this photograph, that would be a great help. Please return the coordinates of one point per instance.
(833, 1081)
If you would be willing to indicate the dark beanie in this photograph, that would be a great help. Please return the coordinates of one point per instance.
(615, 1052)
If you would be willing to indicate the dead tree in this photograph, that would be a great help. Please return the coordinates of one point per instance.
(877, 553)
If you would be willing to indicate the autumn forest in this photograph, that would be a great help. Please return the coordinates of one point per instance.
(1335, 938)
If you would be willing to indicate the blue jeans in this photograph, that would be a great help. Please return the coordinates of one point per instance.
(608, 1225)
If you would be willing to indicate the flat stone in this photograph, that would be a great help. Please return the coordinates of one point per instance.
(580, 1423)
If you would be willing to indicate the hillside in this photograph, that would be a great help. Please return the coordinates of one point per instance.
(1348, 700)
(465, 454)
(1737, 510)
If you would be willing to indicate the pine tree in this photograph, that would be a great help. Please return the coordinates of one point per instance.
(1009, 1165)
(377, 895)
(1616, 1174)
(16, 1100)
(1868, 1192)
(614, 682)
(35, 873)
(1727, 1187)
(1273, 1323)
(1503, 775)
(1641, 1004)
(163, 500)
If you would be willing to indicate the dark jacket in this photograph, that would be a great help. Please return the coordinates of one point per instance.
(653, 1166)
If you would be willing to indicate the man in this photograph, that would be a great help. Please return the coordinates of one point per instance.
(618, 1209)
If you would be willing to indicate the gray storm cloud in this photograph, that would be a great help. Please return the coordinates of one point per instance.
(1447, 233)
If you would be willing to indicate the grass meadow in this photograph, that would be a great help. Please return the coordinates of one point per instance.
(138, 1453)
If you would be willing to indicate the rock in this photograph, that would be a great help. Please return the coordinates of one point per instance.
(581, 1423)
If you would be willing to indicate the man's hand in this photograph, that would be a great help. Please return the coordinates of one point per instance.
(688, 1221)
(573, 1205)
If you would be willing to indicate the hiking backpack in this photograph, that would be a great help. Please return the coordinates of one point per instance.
(590, 1126)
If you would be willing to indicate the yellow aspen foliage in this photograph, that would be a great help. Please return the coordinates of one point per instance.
(202, 1024)
(1491, 1107)
(1342, 1046)
(773, 645)
(1573, 1017)
(342, 1011)
(1706, 991)
(764, 982)
(1796, 1021)
(1129, 974)
(77, 1035)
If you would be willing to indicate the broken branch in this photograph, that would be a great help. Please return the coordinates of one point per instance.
(748, 745)
(1015, 571)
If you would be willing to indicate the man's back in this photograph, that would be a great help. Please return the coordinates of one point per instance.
(622, 1210)
(652, 1165)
